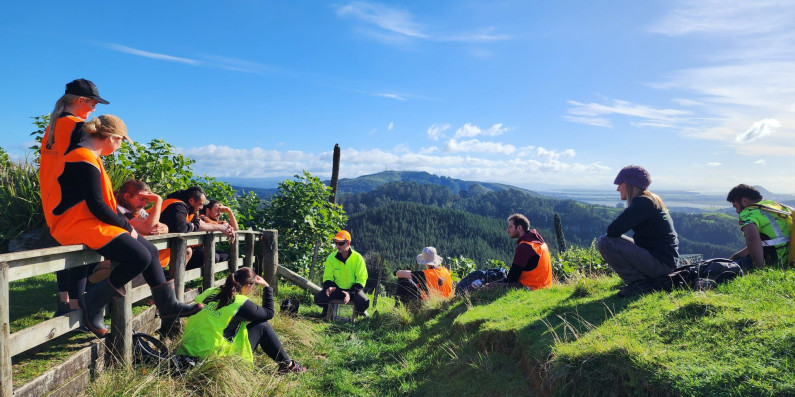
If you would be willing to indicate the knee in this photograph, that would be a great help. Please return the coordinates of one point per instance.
(603, 243)
(321, 298)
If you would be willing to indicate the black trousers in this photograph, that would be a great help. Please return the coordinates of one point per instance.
(263, 335)
(197, 258)
(135, 256)
(407, 291)
(360, 301)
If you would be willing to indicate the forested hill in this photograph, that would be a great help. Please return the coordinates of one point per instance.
(399, 218)
(366, 183)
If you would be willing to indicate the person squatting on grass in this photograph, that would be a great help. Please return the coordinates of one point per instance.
(66, 121)
(344, 276)
(435, 280)
(767, 226)
(231, 324)
(652, 251)
(531, 266)
(86, 214)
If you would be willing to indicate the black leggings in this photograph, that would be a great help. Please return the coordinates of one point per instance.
(134, 257)
(263, 335)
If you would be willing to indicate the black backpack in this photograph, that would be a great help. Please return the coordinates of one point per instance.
(485, 276)
(148, 350)
(716, 270)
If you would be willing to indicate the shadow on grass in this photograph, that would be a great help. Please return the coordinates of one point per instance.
(33, 299)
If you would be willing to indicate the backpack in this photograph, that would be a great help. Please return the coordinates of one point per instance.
(716, 270)
(148, 350)
(483, 276)
(289, 306)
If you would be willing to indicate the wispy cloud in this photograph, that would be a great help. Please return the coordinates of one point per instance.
(391, 96)
(714, 164)
(554, 154)
(725, 17)
(760, 162)
(436, 131)
(469, 130)
(758, 130)
(592, 114)
(394, 25)
(390, 126)
(474, 145)
(153, 55)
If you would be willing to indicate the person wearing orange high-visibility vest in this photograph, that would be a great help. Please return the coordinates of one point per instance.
(531, 266)
(433, 281)
(86, 214)
(66, 121)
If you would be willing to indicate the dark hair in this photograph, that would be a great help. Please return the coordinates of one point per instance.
(131, 187)
(743, 191)
(193, 192)
(520, 220)
(233, 285)
(210, 204)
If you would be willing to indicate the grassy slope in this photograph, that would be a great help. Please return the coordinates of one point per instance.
(572, 339)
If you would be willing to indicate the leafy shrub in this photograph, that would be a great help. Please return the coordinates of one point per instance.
(579, 261)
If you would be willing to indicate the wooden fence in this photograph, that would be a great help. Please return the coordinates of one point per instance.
(26, 264)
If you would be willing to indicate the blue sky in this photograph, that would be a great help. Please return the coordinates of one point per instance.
(701, 93)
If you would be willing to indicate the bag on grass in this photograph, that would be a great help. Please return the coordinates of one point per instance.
(718, 270)
(477, 278)
(149, 350)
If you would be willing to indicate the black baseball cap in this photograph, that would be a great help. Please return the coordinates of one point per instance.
(85, 88)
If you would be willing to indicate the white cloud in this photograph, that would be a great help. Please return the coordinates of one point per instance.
(391, 96)
(594, 121)
(758, 130)
(725, 17)
(390, 126)
(555, 155)
(469, 130)
(474, 145)
(153, 55)
(760, 162)
(714, 164)
(393, 25)
(436, 131)
(626, 108)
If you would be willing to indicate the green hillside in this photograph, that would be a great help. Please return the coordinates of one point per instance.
(366, 183)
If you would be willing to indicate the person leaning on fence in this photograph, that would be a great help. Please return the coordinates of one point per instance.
(767, 226)
(531, 266)
(231, 324)
(653, 250)
(66, 120)
(344, 277)
(211, 214)
(86, 214)
(433, 281)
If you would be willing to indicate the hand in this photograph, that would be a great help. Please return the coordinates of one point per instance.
(329, 290)
(261, 281)
(346, 297)
(152, 197)
(225, 209)
(134, 234)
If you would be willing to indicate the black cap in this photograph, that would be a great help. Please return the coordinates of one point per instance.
(85, 88)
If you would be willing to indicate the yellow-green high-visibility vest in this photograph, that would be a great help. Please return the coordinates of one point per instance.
(204, 331)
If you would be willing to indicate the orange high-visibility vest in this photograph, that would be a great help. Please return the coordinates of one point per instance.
(541, 276)
(439, 282)
(51, 162)
(77, 225)
(165, 254)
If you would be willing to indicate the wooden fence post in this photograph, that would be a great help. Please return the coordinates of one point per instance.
(178, 247)
(248, 260)
(121, 328)
(269, 253)
(6, 384)
(208, 277)
(234, 250)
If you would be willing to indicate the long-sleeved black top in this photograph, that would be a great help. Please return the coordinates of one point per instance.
(653, 228)
(251, 313)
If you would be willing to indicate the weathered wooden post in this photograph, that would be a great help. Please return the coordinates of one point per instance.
(121, 328)
(234, 250)
(335, 173)
(178, 247)
(559, 233)
(6, 384)
(269, 254)
(248, 260)
(208, 277)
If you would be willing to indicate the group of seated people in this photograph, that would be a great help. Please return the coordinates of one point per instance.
(80, 207)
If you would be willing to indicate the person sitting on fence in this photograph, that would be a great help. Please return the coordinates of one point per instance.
(344, 277)
(653, 251)
(232, 324)
(211, 213)
(86, 214)
(767, 226)
(531, 266)
(434, 281)
(66, 120)
(179, 213)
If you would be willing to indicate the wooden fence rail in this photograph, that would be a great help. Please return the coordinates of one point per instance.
(21, 265)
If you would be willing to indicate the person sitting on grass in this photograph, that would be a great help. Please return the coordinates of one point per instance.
(231, 324)
(767, 227)
(652, 251)
(344, 277)
(435, 280)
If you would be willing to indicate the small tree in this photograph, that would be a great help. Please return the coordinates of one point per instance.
(302, 214)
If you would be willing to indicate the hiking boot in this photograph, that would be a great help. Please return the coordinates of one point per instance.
(290, 366)
(63, 308)
(636, 288)
(168, 306)
(93, 304)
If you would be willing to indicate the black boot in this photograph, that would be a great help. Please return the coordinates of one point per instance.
(167, 304)
(63, 308)
(93, 304)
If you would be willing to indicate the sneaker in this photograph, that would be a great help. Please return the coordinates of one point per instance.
(290, 366)
(636, 288)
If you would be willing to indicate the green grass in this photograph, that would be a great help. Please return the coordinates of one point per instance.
(577, 338)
